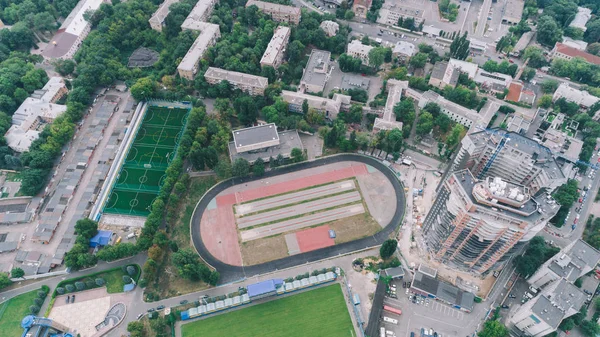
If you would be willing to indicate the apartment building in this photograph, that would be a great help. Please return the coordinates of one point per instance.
(392, 11)
(209, 34)
(565, 52)
(279, 13)
(68, 38)
(495, 82)
(447, 73)
(199, 14)
(360, 51)
(361, 7)
(317, 72)
(476, 225)
(404, 50)
(581, 18)
(510, 156)
(581, 97)
(388, 120)
(513, 12)
(329, 106)
(252, 84)
(456, 112)
(273, 55)
(157, 19)
(543, 314)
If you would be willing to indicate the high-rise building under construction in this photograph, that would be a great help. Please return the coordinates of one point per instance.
(495, 199)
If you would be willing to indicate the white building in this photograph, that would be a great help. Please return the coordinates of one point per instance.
(391, 11)
(388, 120)
(209, 33)
(330, 27)
(447, 73)
(279, 13)
(273, 55)
(495, 82)
(158, 18)
(360, 51)
(330, 107)
(583, 98)
(72, 32)
(252, 84)
(200, 13)
(456, 112)
(404, 50)
(317, 72)
(581, 18)
(35, 113)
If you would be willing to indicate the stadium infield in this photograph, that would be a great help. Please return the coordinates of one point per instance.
(317, 312)
(147, 159)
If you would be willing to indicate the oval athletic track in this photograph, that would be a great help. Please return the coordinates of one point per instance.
(230, 273)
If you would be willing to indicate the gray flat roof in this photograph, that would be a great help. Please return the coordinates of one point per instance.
(443, 291)
(316, 61)
(350, 81)
(573, 263)
(439, 70)
(255, 135)
(287, 141)
(564, 297)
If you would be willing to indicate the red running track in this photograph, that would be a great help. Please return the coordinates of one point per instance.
(314, 238)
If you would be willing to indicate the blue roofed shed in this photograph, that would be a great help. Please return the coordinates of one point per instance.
(264, 288)
(101, 239)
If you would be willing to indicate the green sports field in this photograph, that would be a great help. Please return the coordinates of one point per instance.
(147, 159)
(318, 312)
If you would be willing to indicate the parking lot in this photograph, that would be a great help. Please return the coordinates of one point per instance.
(425, 313)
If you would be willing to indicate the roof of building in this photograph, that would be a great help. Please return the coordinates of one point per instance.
(319, 103)
(353, 81)
(263, 287)
(466, 67)
(200, 45)
(458, 109)
(574, 52)
(560, 143)
(564, 297)
(288, 140)
(236, 77)
(330, 27)
(443, 291)
(404, 48)
(276, 45)
(581, 97)
(50, 89)
(162, 12)
(316, 68)
(431, 30)
(402, 9)
(355, 46)
(524, 41)
(143, 57)
(574, 261)
(71, 29)
(514, 10)
(195, 17)
(272, 7)
(581, 18)
(514, 92)
(496, 81)
(255, 136)
(102, 238)
(439, 69)
(577, 44)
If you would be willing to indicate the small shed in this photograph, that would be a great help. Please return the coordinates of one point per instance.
(101, 239)
(394, 273)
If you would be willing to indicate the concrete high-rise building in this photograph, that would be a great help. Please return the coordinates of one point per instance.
(510, 156)
(476, 225)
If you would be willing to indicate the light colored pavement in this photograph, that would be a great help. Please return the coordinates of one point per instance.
(308, 207)
(483, 15)
(302, 222)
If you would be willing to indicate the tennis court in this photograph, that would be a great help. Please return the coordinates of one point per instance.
(147, 159)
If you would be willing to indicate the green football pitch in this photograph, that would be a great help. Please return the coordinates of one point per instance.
(147, 159)
(317, 312)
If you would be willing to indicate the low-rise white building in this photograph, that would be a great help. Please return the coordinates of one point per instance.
(200, 13)
(581, 18)
(358, 50)
(388, 120)
(209, 33)
(273, 55)
(329, 106)
(447, 73)
(392, 11)
(279, 13)
(330, 27)
(68, 38)
(35, 113)
(583, 98)
(157, 19)
(252, 84)
(404, 50)
(495, 82)
(317, 71)
(456, 112)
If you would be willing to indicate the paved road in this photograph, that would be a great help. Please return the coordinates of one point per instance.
(483, 15)
(230, 273)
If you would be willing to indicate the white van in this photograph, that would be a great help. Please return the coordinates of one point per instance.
(390, 320)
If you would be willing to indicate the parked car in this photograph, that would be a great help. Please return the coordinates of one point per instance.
(504, 306)
(183, 302)
(160, 307)
(73, 299)
(68, 298)
(140, 315)
(151, 310)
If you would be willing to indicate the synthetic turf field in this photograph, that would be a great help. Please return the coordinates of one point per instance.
(317, 312)
(147, 159)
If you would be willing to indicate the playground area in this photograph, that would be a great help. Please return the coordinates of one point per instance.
(297, 212)
(147, 159)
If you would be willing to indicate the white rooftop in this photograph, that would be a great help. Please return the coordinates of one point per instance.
(47, 93)
(464, 66)
(404, 48)
(237, 77)
(275, 46)
(581, 18)
(357, 47)
(195, 16)
(580, 97)
(330, 27)
(75, 23)
(28, 122)
(577, 44)
(200, 45)
(162, 12)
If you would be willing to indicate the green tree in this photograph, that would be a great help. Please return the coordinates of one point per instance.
(349, 15)
(305, 107)
(86, 228)
(17, 273)
(223, 169)
(258, 168)
(246, 109)
(493, 328)
(418, 61)
(535, 55)
(548, 31)
(64, 67)
(528, 74)
(376, 57)
(459, 48)
(143, 89)
(424, 123)
(297, 155)
(549, 86)
(545, 101)
(594, 48)
(567, 324)
(4, 280)
(589, 328)
(388, 248)
(240, 168)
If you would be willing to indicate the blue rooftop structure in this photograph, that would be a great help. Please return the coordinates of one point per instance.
(41, 326)
(101, 239)
(264, 288)
(128, 287)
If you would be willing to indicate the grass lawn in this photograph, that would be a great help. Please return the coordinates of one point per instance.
(112, 277)
(318, 312)
(13, 311)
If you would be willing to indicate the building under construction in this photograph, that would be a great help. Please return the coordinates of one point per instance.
(475, 225)
(510, 156)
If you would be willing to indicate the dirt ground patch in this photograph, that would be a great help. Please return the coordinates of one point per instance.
(354, 227)
(264, 250)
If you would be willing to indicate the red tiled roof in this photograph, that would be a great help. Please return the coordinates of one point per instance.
(570, 51)
(514, 92)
